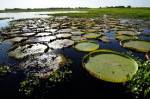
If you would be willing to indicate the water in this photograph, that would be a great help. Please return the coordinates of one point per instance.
(20, 15)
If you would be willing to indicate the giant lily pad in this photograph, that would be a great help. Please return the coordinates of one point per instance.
(43, 65)
(16, 39)
(41, 39)
(92, 35)
(28, 49)
(65, 35)
(125, 37)
(138, 45)
(110, 66)
(105, 39)
(59, 44)
(76, 38)
(132, 33)
(87, 46)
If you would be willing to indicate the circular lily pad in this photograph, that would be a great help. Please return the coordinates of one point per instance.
(110, 66)
(125, 37)
(59, 44)
(21, 52)
(105, 39)
(87, 46)
(43, 65)
(132, 33)
(92, 35)
(138, 45)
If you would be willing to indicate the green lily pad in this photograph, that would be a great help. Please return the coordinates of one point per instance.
(92, 35)
(87, 46)
(125, 37)
(131, 33)
(138, 45)
(105, 39)
(110, 66)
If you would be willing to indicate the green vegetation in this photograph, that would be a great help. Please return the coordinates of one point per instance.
(139, 85)
(138, 45)
(139, 13)
(105, 39)
(4, 70)
(110, 66)
(129, 33)
(125, 37)
(32, 83)
(87, 46)
(37, 9)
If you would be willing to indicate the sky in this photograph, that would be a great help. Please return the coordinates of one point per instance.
(70, 3)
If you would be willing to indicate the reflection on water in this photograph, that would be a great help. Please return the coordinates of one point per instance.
(4, 59)
(21, 15)
(4, 23)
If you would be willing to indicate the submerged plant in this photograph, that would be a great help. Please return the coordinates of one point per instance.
(28, 85)
(59, 76)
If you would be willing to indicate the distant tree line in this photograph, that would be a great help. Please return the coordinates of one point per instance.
(120, 6)
(39, 9)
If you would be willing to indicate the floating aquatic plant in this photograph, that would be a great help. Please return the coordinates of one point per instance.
(138, 45)
(125, 37)
(131, 33)
(87, 46)
(105, 39)
(92, 35)
(28, 49)
(110, 66)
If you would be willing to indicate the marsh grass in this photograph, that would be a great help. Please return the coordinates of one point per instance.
(135, 13)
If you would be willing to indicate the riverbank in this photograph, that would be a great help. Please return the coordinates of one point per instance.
(135, 13)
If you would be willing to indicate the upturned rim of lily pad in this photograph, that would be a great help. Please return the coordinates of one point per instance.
(87, 41)
(97, 76)
(132, 48)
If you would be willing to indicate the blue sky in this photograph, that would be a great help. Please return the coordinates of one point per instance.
(70, 3)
